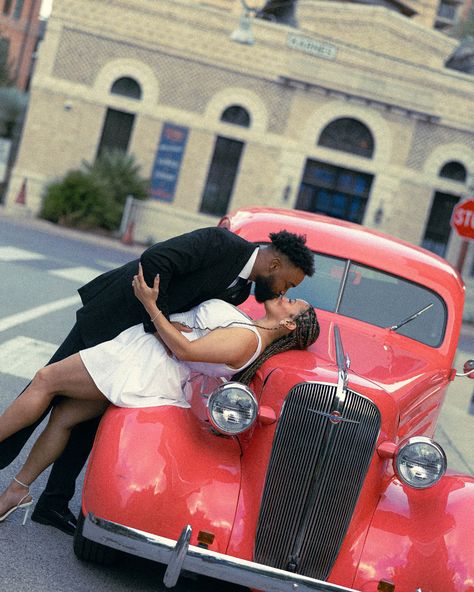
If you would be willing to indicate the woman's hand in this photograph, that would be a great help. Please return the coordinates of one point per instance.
(144, 293)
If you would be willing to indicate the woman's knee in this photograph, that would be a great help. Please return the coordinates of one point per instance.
(43, 380)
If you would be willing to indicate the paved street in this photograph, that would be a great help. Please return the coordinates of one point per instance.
(41, 267)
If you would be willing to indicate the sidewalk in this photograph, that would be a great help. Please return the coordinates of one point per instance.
(21, 219)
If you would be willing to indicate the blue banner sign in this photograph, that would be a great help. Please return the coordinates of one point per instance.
(168, 162)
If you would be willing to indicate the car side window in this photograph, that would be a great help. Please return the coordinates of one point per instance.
(323, 288)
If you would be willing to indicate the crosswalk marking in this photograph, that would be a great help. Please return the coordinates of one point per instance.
(38, 311)
(23, 356)
(76, 274)
(14, 254)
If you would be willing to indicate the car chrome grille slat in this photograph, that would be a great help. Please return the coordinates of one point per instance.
(313, 456)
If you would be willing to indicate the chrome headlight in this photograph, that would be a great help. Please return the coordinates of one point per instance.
(232, 408)
(420, 462)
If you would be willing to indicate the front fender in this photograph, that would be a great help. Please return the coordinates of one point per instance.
(421, 539)
(158, 468)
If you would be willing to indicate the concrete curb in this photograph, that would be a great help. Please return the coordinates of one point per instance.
(24, 220)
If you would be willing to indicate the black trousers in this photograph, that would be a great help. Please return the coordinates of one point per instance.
(62, 480)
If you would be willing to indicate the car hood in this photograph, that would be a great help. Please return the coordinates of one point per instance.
(380, 360)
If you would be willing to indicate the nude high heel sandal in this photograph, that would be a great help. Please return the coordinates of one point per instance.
(21, 504)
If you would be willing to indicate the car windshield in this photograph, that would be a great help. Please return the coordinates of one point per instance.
(375, 297)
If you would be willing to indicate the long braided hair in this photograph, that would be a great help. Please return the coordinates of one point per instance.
(306, 332)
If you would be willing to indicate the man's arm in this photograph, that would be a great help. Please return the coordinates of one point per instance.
(183, 254)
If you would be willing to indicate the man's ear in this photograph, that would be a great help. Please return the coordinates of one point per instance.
(275, 264)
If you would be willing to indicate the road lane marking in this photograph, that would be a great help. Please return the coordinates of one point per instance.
(23, 356)
(14, 254)
(76, 274)
(33, 313)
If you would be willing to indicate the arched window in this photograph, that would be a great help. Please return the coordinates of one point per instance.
(236, 115)
(348, 135)
(126, 87)
(453, 170)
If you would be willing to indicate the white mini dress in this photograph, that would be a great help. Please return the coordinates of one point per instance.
(135, 370)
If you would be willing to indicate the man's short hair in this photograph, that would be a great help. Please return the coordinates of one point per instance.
(293, 246)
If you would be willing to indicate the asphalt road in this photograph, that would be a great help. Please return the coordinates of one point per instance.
(40, 270)
(41, 266)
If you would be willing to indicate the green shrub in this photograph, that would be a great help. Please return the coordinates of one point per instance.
(94, 196)
(121, 174)
(80, 200)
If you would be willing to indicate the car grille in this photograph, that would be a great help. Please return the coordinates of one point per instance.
(314, 478)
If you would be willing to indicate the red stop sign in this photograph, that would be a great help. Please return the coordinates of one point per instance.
(463, 219)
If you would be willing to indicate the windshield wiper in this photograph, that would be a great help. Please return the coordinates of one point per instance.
(410, 318)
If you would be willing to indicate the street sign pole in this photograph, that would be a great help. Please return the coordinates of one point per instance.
(462, 255)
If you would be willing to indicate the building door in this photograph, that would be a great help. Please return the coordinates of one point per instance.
(116, 131)
(334, 191)
(221, 176)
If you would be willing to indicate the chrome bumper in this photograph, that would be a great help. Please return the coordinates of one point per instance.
(180, 555)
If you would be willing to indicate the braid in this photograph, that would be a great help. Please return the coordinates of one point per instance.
(306, 332)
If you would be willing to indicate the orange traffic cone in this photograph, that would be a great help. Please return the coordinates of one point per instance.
(127, 238)
(21, 197)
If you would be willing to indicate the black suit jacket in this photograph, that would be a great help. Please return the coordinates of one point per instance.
(193, 267)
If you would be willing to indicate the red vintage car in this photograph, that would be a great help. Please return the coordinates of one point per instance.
(324, 475)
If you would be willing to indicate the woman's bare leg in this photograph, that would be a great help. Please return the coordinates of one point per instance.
(50, 444)
(68, 378)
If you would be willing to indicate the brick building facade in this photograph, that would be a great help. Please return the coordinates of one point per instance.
(20, 29)
(353, 113)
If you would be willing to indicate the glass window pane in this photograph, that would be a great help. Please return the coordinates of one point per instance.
(438, 228)
(385, 300)
(348, 135)
(322, 289)
(116, 131)
(221, 177)
(454, 171)
(127, 87)
(236, 115)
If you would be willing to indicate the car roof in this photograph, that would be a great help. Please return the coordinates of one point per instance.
(349, 240)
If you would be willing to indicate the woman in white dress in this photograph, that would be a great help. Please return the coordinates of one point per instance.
(138, 369)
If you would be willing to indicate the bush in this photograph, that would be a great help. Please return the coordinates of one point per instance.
(94, 196)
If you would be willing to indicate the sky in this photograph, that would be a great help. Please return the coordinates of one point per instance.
(46, 8)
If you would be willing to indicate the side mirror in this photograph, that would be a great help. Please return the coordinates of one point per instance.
(468, 369)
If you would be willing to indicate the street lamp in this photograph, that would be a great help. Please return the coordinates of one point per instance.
(244, 32)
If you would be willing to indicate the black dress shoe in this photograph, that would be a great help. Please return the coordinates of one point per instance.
(64, 520)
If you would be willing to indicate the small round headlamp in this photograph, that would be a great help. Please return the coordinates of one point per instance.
(420, 462)
(232, 408)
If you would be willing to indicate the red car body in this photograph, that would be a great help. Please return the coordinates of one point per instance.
(339, 502)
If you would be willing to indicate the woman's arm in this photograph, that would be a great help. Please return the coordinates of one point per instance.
(232, 346)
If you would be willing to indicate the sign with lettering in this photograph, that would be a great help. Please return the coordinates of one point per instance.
(168, 159)
(463, 219)
(320, 49)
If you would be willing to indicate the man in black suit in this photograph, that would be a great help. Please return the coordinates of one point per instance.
(207, 263)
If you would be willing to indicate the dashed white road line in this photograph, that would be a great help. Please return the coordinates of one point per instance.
(33, 313)
(77, 274)
(23, 356)
(14, 254)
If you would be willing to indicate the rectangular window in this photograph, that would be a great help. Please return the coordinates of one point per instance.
(18, 9)
(438, 228)
(7, 6)
(221, 177)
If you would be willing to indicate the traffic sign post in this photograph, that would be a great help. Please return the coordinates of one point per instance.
(462, 221)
